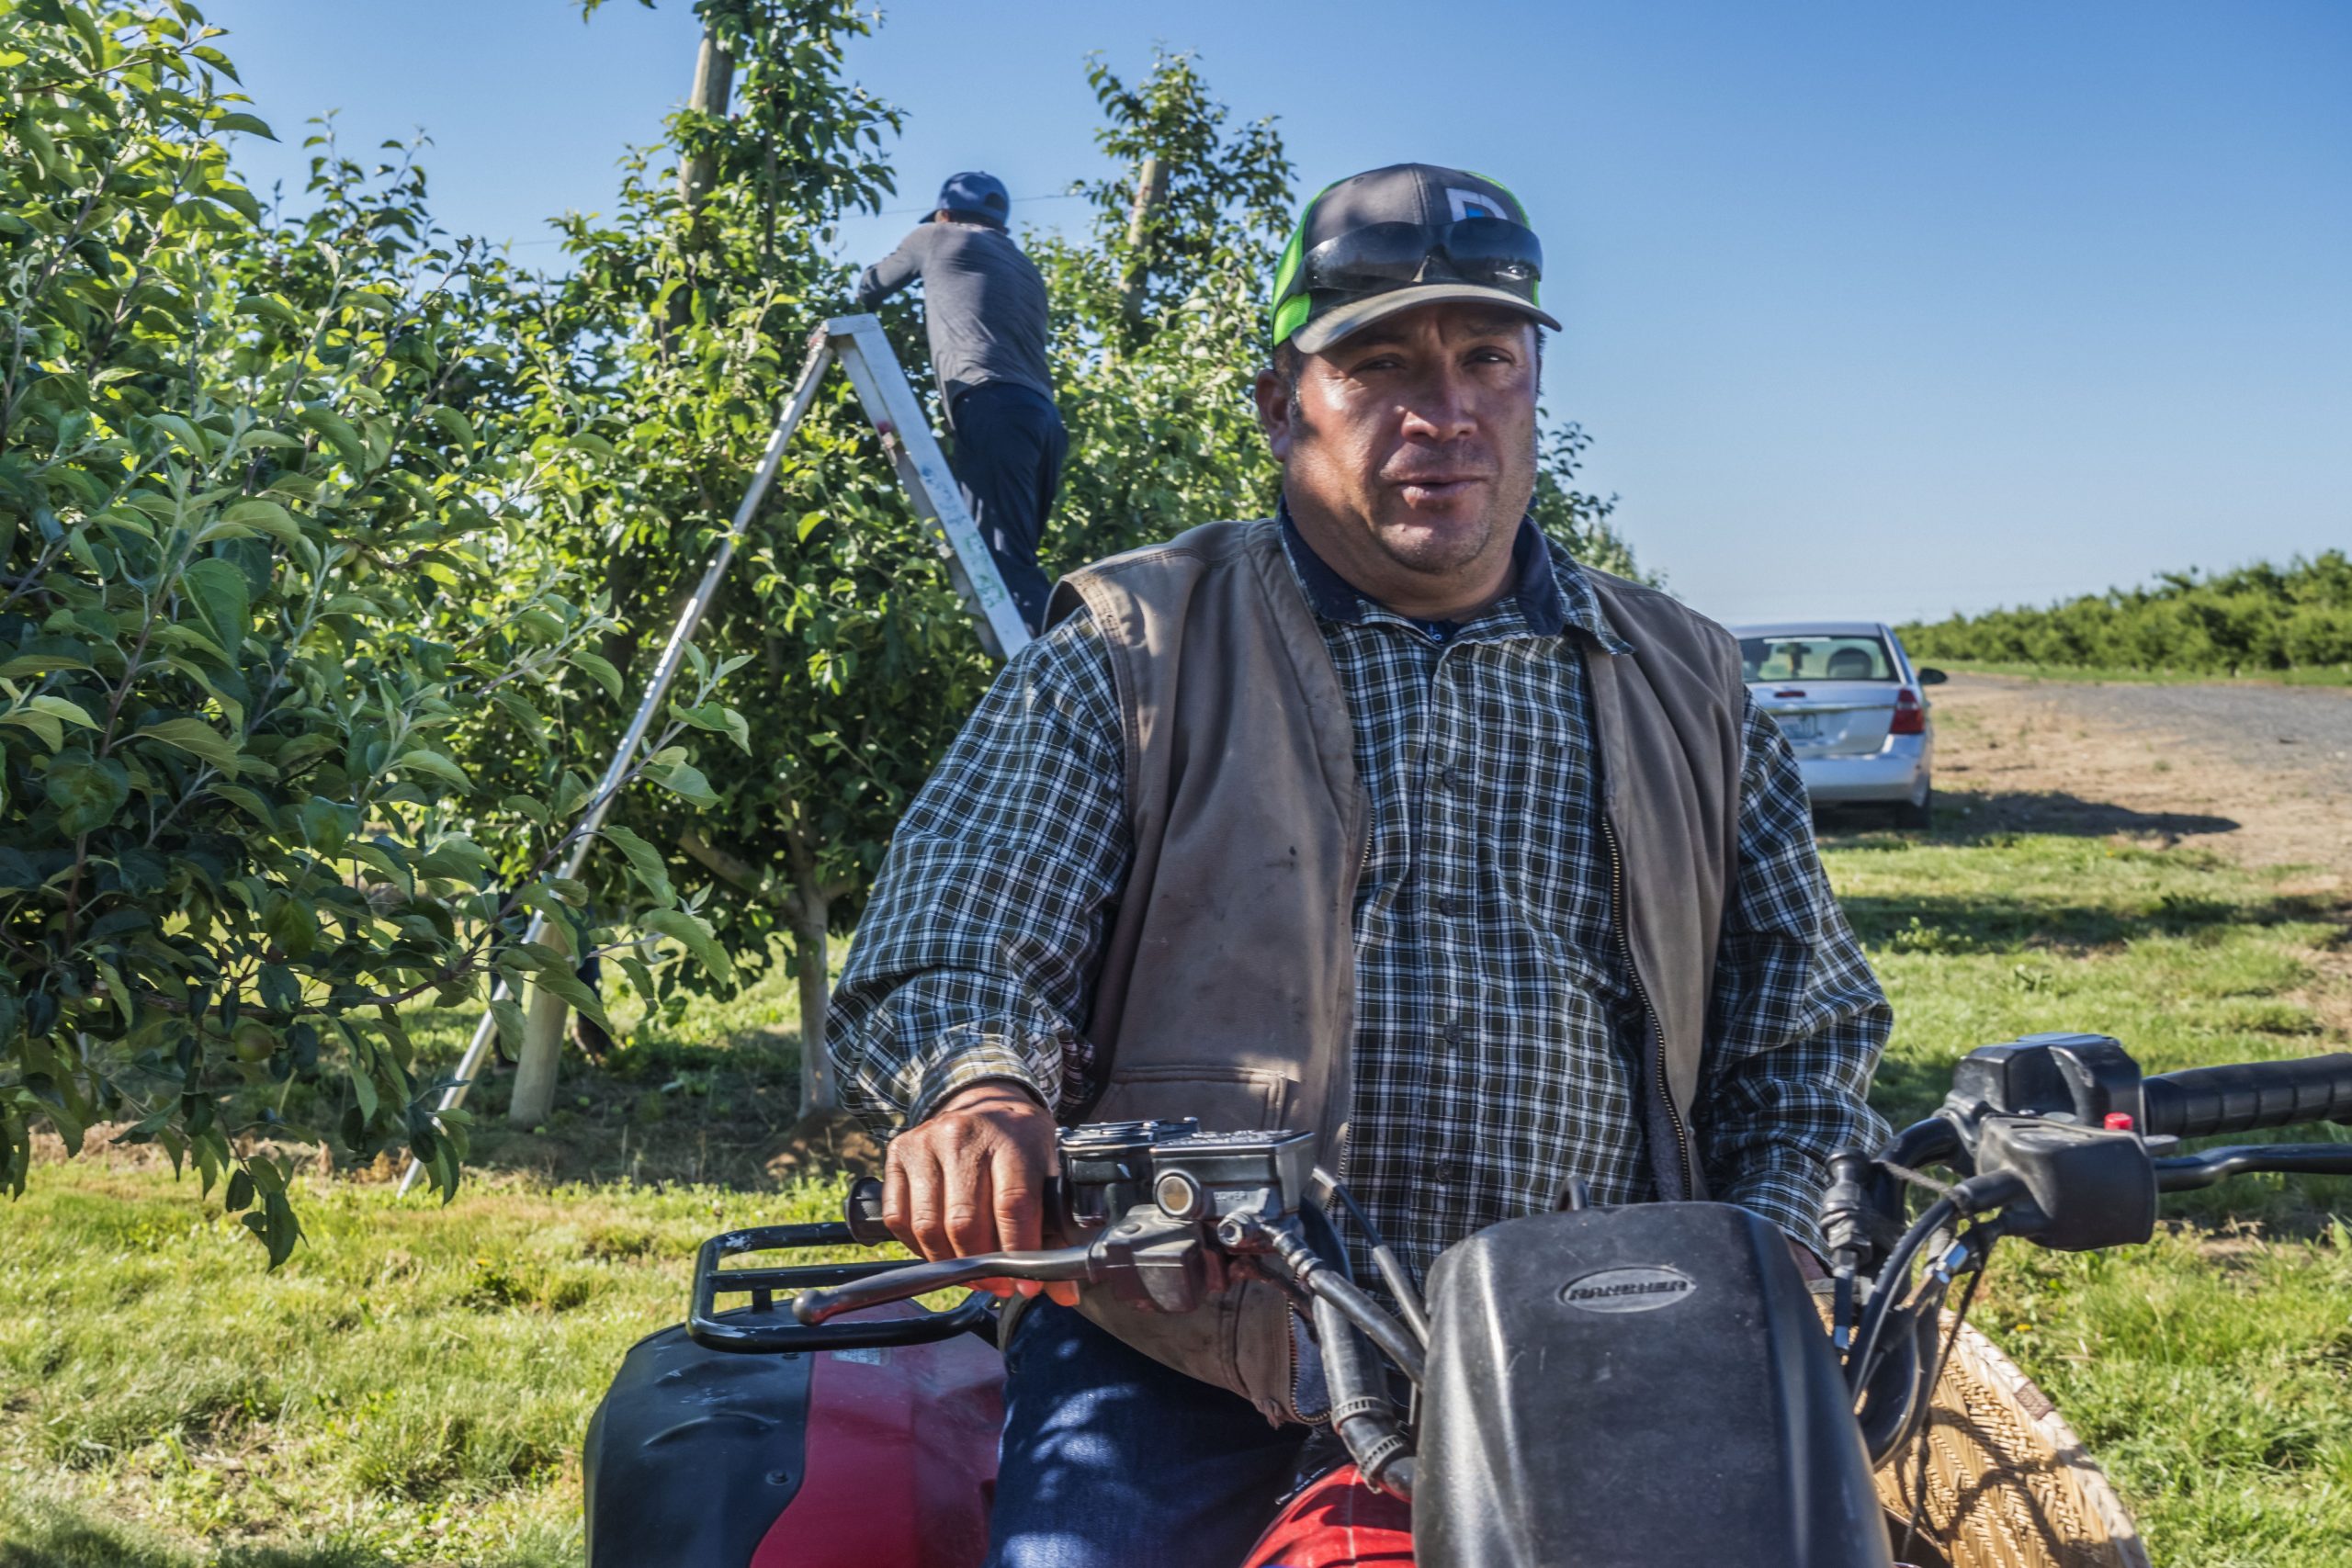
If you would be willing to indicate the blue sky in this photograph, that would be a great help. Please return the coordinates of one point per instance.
(1870, 308)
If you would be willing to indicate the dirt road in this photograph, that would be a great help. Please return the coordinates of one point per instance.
(2262, 775)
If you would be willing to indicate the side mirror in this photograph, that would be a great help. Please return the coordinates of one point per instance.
(1930, 676)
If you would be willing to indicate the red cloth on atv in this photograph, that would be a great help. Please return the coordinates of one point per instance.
(1339, 1522)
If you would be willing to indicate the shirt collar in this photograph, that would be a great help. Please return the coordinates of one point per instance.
(1549, 593)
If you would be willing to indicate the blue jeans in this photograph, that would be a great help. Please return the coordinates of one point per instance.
(1112, 1461)
(1008, 458)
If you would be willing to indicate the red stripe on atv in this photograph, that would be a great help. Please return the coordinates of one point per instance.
(1339, 1522)
(902, 1455)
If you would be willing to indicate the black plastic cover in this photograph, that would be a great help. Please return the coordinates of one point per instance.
(693, 1453)
(2087, 1077)
(2089, 1190)
(1648, 1384)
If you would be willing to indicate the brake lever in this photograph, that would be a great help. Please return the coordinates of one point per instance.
(2186, 1172)
(1062, 1263)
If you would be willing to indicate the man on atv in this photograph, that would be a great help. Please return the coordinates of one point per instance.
(1381, 816)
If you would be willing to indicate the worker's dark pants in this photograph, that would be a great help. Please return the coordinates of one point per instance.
(1112, 1461)
(1008, 460)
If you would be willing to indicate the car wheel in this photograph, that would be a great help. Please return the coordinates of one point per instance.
(1918, 814)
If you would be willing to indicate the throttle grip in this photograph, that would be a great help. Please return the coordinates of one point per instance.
(862, 1209)
(2249, 1095)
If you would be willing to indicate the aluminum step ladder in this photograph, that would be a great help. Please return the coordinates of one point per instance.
(880, 382)
(897, 416)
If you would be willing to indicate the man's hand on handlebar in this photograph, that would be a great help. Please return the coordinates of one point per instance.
(972, 1178)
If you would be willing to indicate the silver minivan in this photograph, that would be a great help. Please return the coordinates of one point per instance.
(1854, 709)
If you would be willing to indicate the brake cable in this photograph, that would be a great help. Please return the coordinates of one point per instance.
(1392, 1268)
(1936, 1376)
(1975, 1196)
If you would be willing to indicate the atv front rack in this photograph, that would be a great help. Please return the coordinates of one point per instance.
(766, 1326)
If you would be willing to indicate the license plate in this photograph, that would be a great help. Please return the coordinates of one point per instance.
(1800, 727)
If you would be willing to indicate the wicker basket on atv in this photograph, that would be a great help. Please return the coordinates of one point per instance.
(1597, 1387)
(2007, 1482)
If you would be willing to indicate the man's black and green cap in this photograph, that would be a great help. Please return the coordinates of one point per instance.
(1392, 239)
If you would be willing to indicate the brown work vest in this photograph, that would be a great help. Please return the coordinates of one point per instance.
(1225, 988)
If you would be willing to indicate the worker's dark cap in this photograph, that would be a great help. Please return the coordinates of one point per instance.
(1396, 238)
(981, 196)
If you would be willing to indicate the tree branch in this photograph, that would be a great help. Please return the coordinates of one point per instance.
(720, 864)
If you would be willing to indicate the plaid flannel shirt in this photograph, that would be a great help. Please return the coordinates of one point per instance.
(1498, 1048)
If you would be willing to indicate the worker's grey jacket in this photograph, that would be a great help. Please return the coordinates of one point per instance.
(1225, 988)
(983, 302)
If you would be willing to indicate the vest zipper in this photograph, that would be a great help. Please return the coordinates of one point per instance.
(1297, 1374)
(1641, 993)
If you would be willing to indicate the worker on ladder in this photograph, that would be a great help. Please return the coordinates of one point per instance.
(984, 303)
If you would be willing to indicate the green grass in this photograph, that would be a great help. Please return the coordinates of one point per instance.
(2316, 675)
(412, 1387)
(2209, 1371)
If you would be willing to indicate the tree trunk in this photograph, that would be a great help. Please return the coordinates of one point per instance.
(1151, 189)
(811, 913)
(539, 1062)
(714, 86)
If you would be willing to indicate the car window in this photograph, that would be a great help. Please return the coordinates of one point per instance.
(1805, 656)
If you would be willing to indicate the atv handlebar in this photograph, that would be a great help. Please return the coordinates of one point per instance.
(763, 1328)
(2203, 1101)
(901, 1282)
(2057, 1139)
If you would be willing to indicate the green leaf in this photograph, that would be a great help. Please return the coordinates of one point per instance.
(87, 791)
(645, 862)
(337, 431)
(267, 516)
(508, 1013)
(363, 1074)
(698, 937)
(198, 445)
(197, 738)
(272, 308)
(560, 979)
(434, 765)
(217, 589)
(681, 778)
(247, 801)
(277, 1227)
(247, 123)
(601, 668)
(454, 425)
(720, 717)
(44, 725)
(41, 663)
(291, 924)
(526, 718)
(279, 989)
(262, 436)
(326, 826)
(62, 710)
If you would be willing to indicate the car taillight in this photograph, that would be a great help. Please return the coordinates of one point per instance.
(1910, 714)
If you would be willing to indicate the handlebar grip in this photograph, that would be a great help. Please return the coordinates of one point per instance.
(2240, 1099)
(863, 1210)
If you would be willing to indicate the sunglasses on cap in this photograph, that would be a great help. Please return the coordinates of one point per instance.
(1491, 251)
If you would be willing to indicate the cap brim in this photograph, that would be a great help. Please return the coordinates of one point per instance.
(1321, 331)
